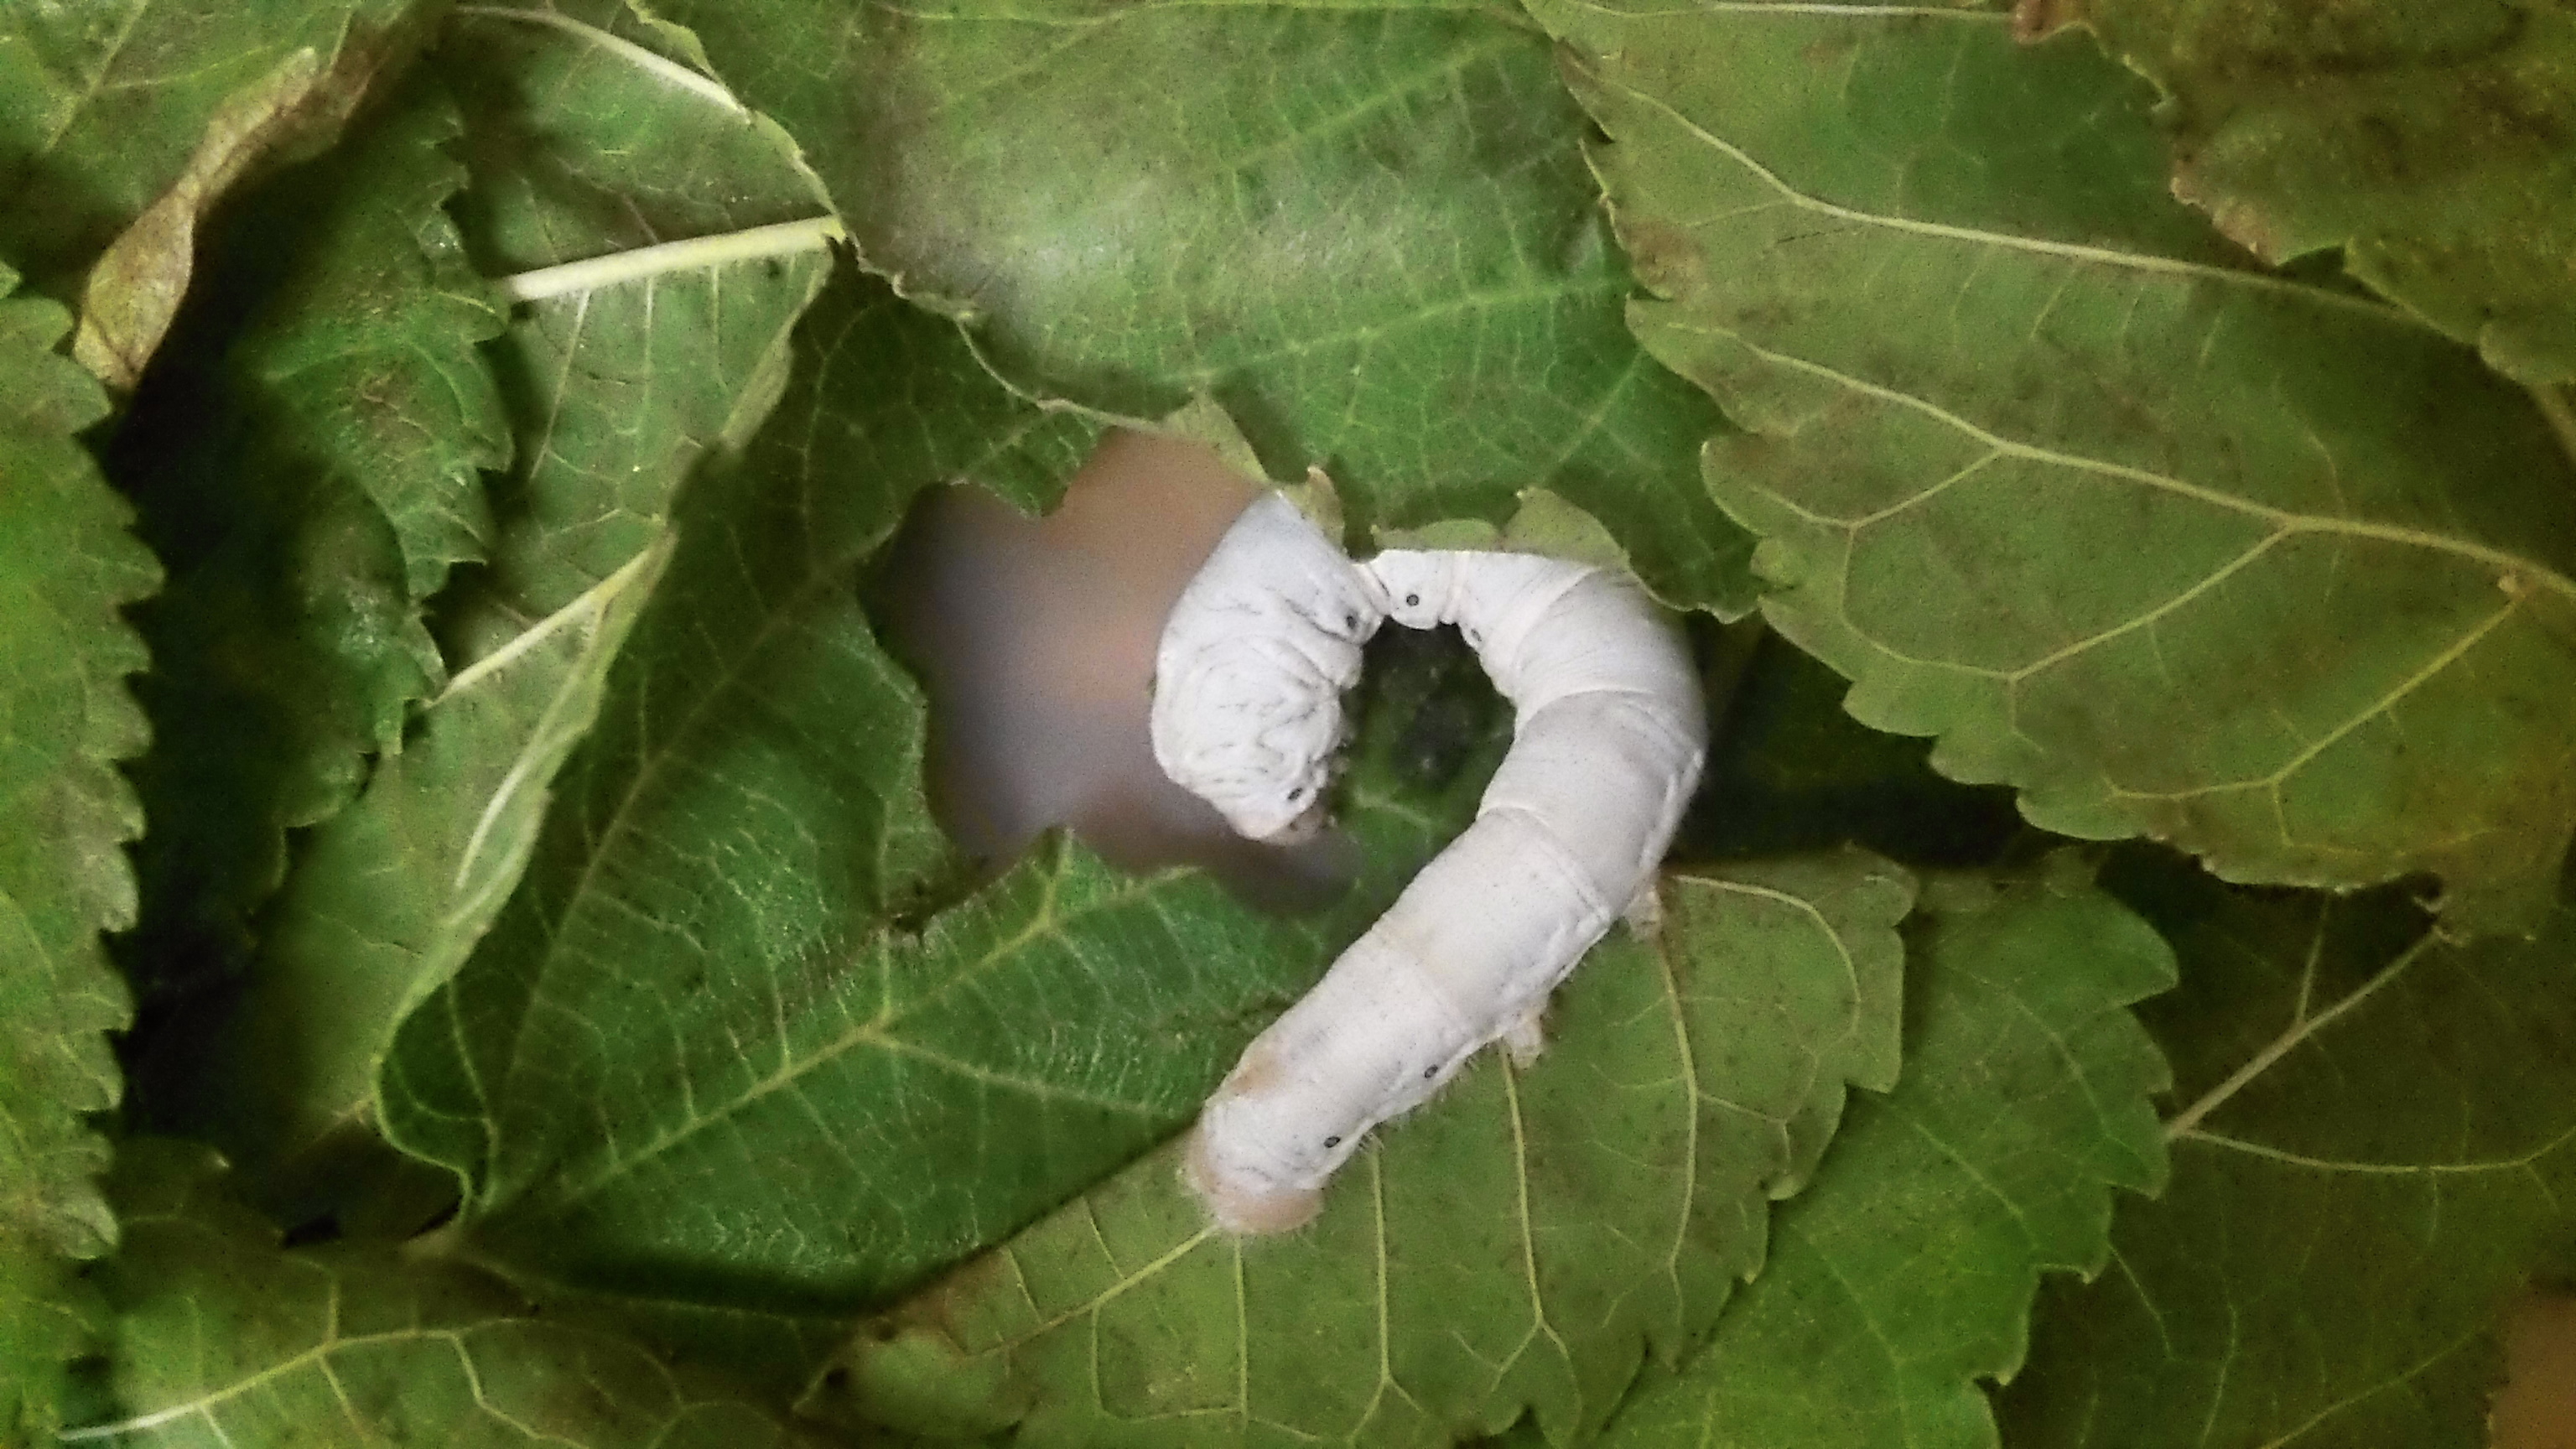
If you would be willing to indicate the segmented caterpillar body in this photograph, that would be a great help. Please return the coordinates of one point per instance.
(1248, 677)
(1609, 736)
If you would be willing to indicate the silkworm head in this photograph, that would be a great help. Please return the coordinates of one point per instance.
(1419, 587)
(1305, 797)
(1239, 734)
(1263, 805)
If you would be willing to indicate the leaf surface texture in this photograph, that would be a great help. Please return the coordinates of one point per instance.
(1365, 230)
(2431, 144)
(1517, 1246)
(225, 1339)
(2176, 547)
(67, 563)
(2373, 1148)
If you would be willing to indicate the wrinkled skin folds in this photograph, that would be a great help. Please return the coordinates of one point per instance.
(1609, 736)
(1248, 677)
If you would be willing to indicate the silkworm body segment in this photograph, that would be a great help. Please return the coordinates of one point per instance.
(1609, 737)
(1248, 677)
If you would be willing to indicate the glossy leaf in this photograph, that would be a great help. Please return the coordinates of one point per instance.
(2374, 1148)
(1365, 230)
(2433, 144)
(1906, 1273)
(1517, 1246)
(223, 1338)
(67, 564)
(2174, 546)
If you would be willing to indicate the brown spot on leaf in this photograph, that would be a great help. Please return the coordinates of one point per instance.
(2240, 219)
(1667, 257)
(2036, 20)
(912, 1370)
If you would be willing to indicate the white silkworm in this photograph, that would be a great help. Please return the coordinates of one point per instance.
(1249, 675)
(1608, 739)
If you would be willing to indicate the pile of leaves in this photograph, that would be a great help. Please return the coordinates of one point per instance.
(478, 966)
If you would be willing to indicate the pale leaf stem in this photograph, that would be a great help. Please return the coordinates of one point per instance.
(786, 238)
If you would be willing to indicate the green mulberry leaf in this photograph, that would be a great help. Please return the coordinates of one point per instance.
(310, 477)
(2433, 143)
(2174, 546)
(614, 189)
(618, 389)
(1516, 1246)
(122, 124)
(224, 1338)
(1365, 230)
(2374, 1148)
(1906, 1273)
(702, 932)
(67, 564)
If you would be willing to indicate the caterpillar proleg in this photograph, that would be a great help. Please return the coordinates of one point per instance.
(1609, 735)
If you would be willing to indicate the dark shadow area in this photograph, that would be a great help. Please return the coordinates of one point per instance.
(1790, 771)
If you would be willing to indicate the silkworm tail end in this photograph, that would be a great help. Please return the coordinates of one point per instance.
(1240, 1208)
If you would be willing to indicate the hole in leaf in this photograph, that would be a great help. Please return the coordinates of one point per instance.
(1034, 639)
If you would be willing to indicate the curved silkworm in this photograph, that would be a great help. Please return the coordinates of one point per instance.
(1609, 736)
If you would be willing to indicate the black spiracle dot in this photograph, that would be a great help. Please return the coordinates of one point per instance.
(1413, 601)
(1429, 1072)
(1332, 1142)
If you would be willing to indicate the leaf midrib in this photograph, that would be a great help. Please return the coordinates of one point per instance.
(2073, 251)
(2286, 522)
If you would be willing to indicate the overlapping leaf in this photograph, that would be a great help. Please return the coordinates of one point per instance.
(1516, 1246)
(222, 1338)
(2248, 564)
(122, 124)
(610, 184)
(2374, 1147)
(659, 1066)
(1906, 1273)
(1364, 229)
(310, 477)
(2435, 144)
(618, 389)
(67, 564)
